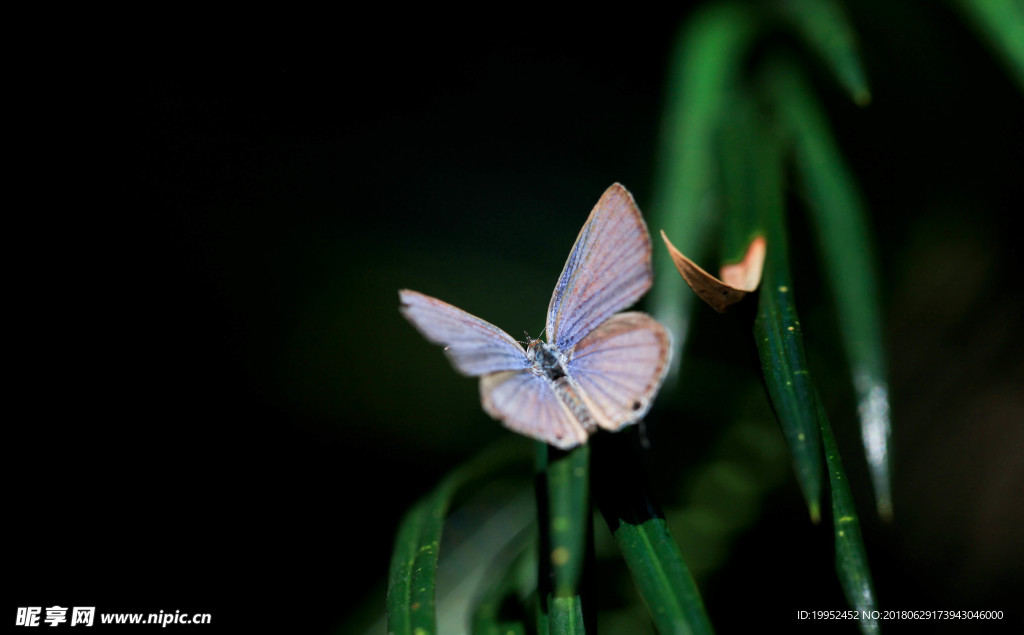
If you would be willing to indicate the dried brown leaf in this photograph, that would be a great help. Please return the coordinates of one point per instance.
(737, 279)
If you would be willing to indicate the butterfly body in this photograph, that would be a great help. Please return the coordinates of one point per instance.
(597, 368)
(550, 363)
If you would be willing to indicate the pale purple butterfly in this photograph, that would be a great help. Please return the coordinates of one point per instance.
(597, 368)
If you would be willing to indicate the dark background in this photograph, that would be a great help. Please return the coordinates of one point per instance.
(216, 407)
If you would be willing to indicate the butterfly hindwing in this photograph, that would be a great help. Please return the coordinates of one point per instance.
(619, 367)
(526, 403)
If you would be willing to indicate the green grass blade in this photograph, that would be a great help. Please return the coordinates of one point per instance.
(652, 555)
(847, 253)
(825, 28)
(403, 605)
(705, 63)
(742, 218)
(565, 615)
(541, 613)
(1001, 23)
(780, 346)
(777, 325)
(566, 482)
(413, 573)
(851, 557)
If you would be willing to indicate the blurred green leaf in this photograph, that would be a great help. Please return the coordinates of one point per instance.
(705, 63)
(565, 615)
(851, 558)
(847, 255)
(517, 577)
(742, 217)
(566, 481)
(825, 28)
(638, 525)
(568, 486)
(1001, 23)
(412, 577)
(724, 494)
(501, 628)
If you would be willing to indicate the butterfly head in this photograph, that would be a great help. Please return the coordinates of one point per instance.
(546, 358)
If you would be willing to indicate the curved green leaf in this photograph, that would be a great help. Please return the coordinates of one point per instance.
(847, 254)
(780, 346)
(638, 525)
(1001, 23)
(825, 28)
(851, 557)
(776, 324)
(412, 576)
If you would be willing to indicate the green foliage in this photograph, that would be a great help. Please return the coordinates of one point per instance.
(823, 25)
(413, 574)
(1001, 24)
(565, 478)
(516, 579)
(651, 553)
(846, 252)
(851, 558)
(778, 335)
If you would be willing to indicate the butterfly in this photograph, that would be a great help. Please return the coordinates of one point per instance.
(597, 368)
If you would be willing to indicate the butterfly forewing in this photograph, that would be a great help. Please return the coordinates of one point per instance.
(474, 346)
(608, 269)
(525, 402)
(619, 367)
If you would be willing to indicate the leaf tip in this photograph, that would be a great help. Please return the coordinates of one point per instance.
(815, 511)
(885, 509)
